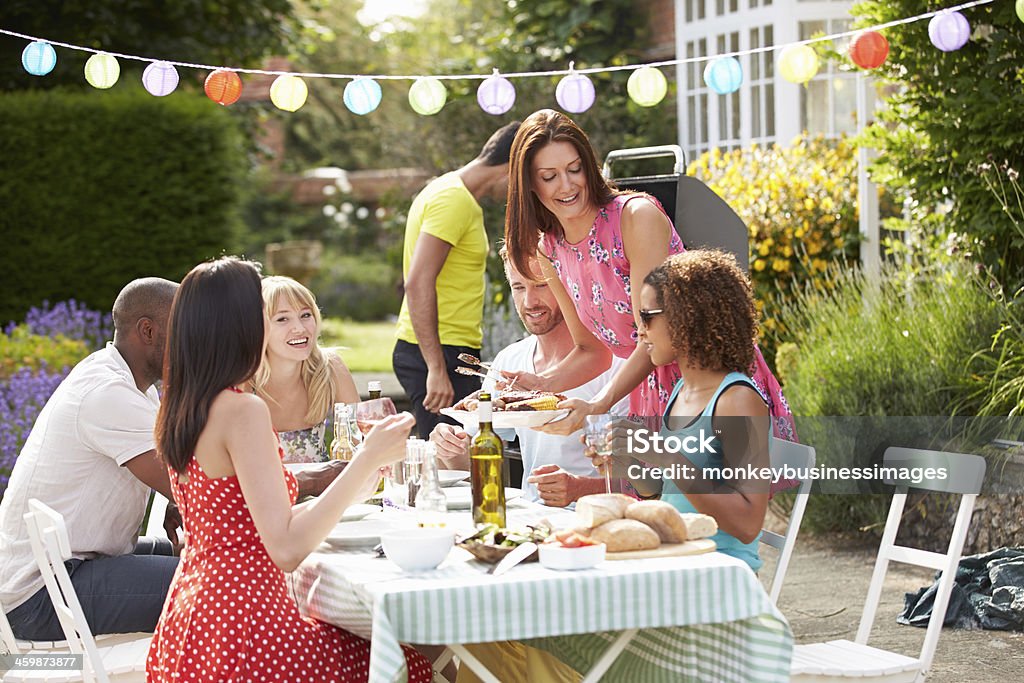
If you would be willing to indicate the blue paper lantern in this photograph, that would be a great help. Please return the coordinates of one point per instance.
(362, 96)
(575, 93)
(39, 58)
(949, 31)
(724, 75)
(496, 95)
(160, 78)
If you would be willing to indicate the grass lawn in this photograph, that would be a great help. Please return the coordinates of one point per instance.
(365, 347)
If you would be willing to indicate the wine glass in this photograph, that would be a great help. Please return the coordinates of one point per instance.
(369, 413)
(599, 439)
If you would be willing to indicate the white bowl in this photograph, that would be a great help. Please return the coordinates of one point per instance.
(554, 556)
(417, 549)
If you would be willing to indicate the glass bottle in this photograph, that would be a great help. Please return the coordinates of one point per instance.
(373, 388)
(485, 457)
(431, 503)
(342, 447)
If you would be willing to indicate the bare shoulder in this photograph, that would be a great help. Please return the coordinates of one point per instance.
(741, 400)
(643, 210)
(245, 409)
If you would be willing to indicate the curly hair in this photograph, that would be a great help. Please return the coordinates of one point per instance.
(709, 308)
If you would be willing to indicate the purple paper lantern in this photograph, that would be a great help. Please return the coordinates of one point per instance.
(160, 78)
(496, 95)
(39, 58)
(949, 31)
(575, 93)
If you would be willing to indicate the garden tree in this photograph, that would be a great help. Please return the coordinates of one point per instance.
(220, 32)
(949, 114)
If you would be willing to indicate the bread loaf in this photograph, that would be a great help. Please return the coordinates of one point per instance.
(598, 508)
(661, 517)
(698, 525)
(623, 535)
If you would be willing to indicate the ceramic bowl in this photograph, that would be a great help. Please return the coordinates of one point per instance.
(555, 556)
(417, 549)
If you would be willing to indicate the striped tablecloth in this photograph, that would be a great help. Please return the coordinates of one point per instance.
(704, 618)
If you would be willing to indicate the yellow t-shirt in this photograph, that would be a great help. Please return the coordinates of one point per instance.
(448, 211)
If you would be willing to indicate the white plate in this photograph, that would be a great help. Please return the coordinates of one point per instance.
(452, 477)
(361, 534)
(296, 467)
(507, 419)
(461, 497)
(358, 511)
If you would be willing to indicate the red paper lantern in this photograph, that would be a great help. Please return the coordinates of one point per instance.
(869, 49)
(223, 86)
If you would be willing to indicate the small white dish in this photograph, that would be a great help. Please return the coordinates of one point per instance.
(451, 477)
(461, 497)
(361, 534)
(358, 511)
(555, 556)
(419, 549)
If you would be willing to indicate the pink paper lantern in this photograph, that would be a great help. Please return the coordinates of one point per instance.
(160, 78)
(496, 95)
(949, 31)
(575, 93)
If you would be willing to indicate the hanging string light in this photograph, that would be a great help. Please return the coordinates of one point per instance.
(427, 96)
(724, 75)
(362, 96)
(798, 63)
(869, 49)
(288, 92)
(496, 94)
(39, 58)
(949, 31)
(575, 92)
(102, 70)
(160, 79)
(223, 87)
(647, 86)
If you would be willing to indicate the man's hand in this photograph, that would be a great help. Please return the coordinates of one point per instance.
(173, 522)
(440, 393)
(515, 379)
(313, 480)
(558, 488)
(452, 444)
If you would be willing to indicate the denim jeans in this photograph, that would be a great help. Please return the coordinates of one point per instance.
(411, 371)
(118, 594)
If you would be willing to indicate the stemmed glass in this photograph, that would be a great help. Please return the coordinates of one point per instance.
(599, 438)
(369, 413)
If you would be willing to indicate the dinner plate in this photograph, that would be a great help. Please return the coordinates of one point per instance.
(452, 477)
(507, 419)
(461, 497)
(358, 511)
(361, 534)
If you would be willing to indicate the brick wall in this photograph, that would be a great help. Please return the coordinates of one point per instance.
(661, 23)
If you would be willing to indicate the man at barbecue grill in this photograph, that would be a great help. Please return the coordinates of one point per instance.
(555, 471)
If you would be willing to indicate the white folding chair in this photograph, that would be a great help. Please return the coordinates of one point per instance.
(124, 662)
(9, 644)
(842, 659)
(798, 456)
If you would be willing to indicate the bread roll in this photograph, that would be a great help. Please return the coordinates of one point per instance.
(598, 508)
(623, 535)
(661, 517)
(698, 525)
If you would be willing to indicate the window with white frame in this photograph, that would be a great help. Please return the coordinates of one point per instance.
(694, 10)
(761, 70)
(828, 103)
(728, 105)
(696, 100)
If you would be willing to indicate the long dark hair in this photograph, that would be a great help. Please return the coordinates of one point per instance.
(525, 217)
(214, 341)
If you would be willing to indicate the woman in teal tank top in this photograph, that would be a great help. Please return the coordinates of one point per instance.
(698, 311)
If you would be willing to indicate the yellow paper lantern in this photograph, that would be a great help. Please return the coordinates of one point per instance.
(647, 86)
(288, 92)
(102, 70)
(798, 63)
(427, 96)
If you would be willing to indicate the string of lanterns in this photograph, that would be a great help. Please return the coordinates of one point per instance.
(948, 30)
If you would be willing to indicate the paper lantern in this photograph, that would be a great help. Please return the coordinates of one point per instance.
(160, 78)
(102, 70)
(1020, 9)
(869, 49)
(647, 86)
(724, 75)
(496, 94)
(223, 86)
(798, 63)
(288, 92)
(362, 96)
(949, 31)
(427, 96)
(575, 93)
(39, 58)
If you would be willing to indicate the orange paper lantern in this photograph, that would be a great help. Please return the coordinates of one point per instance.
(223, 87)
(869, 49)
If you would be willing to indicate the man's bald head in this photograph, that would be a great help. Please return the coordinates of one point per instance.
(147, 297)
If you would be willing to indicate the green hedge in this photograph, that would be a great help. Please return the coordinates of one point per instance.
(101, 187)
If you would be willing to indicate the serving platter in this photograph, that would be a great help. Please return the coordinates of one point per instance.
(507, 419)
(697, 547)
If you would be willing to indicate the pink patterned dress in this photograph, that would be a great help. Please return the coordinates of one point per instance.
(596, 274)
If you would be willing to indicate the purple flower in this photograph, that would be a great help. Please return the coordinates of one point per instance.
(71, 319)
(22, 397)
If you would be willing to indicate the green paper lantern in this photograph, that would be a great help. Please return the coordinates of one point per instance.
(102, 70)
(647, 86)
(427, 96)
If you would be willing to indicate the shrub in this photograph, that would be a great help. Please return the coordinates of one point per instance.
(801, 210)
(363, 287)
(22, 350)
(22, 395)
(70, 319)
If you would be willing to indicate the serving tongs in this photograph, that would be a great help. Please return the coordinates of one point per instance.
(470, 359)
(490, 374)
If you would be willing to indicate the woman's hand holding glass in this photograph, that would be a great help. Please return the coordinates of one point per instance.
(606, 444)
(383, 444)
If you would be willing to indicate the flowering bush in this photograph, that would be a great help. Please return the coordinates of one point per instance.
(20, 349)
(800, 207)
(22, 396)
(71, 319)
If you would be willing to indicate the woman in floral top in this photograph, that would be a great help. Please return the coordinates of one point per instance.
(597, 240)
(298, 379)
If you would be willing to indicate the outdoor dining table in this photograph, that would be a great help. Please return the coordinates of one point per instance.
(696, 618)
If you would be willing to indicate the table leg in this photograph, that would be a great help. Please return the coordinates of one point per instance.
(474, 664)
(610, 655)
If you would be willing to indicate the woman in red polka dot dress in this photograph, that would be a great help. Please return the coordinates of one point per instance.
(228, 616)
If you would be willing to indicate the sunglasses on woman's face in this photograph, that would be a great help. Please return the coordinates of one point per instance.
(647, 314)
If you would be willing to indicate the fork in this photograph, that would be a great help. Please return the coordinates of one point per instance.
(473, 360)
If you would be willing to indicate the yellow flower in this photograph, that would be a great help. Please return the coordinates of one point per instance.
(763, 249)
(759, 265)
(780, 265)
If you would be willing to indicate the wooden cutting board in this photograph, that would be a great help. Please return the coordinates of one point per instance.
(698, 547)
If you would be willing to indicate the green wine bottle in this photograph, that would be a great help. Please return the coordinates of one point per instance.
(485, 470)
